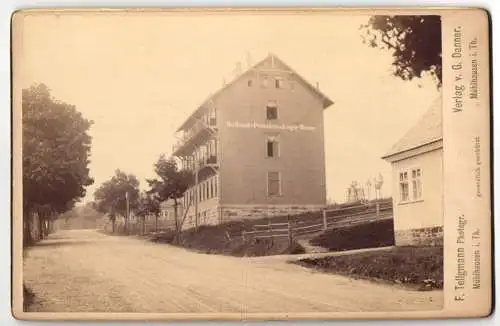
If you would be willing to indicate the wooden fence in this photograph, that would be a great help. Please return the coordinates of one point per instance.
(330, 218)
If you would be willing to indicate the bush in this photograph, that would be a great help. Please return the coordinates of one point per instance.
(416, 266)
(367, 235)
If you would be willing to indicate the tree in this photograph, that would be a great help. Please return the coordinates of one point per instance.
(148, 205)
(171, 183)
(118, 196)
(415, 43)
(56, 152)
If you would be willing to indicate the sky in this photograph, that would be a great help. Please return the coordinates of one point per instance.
(139, 75)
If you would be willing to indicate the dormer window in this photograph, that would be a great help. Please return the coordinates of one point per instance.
(271, 110)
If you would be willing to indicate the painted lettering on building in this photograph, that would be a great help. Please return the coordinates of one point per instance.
(272, 126)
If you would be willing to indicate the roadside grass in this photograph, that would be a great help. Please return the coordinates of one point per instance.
(28, 298)
(217, 240)
(367, 235)
(416, 267)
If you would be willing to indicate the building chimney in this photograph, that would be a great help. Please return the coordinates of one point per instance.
(249, 60)
(238, 69)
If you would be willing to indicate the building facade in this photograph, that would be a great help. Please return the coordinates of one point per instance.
(256, 147)
(417, 182)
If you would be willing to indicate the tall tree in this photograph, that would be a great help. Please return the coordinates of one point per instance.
(171, 183)
(56, 152)
(415, 43)
(118, 196)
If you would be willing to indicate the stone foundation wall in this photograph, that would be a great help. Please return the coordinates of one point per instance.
(232, 213)
(431, 236)
(207, 216)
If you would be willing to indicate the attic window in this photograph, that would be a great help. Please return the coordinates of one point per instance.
(278, 82)
(264, 81)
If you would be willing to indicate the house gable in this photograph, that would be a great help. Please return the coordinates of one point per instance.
(427, 133)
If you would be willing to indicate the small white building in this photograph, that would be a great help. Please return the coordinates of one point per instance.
(417, 181)
(167, 213)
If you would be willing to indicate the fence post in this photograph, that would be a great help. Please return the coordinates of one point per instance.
(325, 221)
(290, 231)
(378, 208)
(243, 235)
(270, 229)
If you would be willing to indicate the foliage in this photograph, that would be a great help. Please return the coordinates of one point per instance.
(415, 43)
(111, 196)
(147, 205)
(56, 151)
(171, 183)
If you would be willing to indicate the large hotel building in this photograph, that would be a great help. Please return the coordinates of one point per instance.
(256, 147)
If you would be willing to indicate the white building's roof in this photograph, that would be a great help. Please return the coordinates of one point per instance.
(428, 129)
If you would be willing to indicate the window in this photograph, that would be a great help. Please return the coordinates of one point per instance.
(278, 82)
(273, 184)
(272, 110)
(264, 81)
(215, 187)
(410, 185)
(250, 83)
(416, 184)
(291, 83)
(404, 187)
(272, 146)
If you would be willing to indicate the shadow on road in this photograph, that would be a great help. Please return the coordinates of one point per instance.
(60, 243)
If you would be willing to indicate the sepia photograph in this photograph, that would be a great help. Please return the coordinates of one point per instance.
(201, 163)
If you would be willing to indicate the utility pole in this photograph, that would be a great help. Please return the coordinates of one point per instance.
(196, 190)
(127, 213)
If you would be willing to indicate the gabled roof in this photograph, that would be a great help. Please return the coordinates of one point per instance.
(428, 129)
(270, 58)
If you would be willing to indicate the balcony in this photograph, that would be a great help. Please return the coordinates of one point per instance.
(199, 133)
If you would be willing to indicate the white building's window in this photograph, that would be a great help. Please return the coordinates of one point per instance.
(271, 110)
(273, 184)
(416, 184)
(291, 83)
(272, 146)
(250, 83)
(404, 190)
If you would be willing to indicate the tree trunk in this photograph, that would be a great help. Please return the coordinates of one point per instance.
(27, 236)
(144, 225)
(113, 224)
(178, 227)
(40, 226)
(156, 223)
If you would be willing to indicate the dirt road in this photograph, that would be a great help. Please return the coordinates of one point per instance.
(86, 271)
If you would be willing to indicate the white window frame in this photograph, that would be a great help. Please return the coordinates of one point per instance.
(274, 138)
(280, 184)
(264, 81)
(279, 81)
(414, 179)
(401, 181)
(410, 181)
(269, 105)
